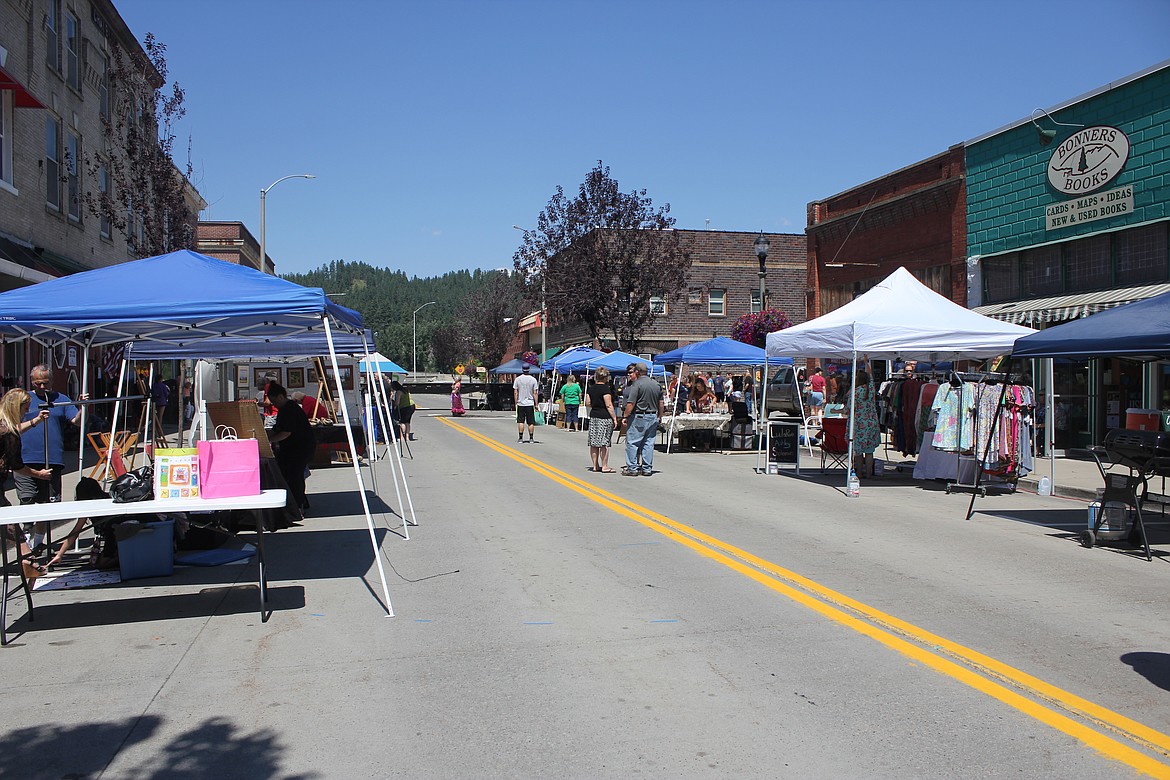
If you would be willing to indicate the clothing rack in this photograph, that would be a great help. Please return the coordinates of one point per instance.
(991, 378)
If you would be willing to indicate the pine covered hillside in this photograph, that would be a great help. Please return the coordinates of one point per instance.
(387, 298)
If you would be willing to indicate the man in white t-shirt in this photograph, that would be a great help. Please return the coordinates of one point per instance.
(525, 393)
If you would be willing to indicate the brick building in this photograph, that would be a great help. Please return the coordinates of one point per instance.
(231, 242)
(723, 283)
(914, 217)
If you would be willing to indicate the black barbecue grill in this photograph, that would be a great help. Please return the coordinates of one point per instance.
(1145, 454)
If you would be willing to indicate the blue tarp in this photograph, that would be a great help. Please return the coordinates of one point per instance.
(514, 366)
(181, 297)
(1139, 329)
(719, 351)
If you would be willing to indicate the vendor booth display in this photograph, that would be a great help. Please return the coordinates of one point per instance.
(898, 318)
(193, 299)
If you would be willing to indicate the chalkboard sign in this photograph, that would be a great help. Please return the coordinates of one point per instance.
(784, 446)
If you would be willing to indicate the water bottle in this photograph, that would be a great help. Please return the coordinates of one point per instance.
(854, 490)
(1045, 487)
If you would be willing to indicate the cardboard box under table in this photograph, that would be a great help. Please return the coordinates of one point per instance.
(105, 507)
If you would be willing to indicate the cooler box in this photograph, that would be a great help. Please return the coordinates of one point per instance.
(1143, 420)
(146, 549)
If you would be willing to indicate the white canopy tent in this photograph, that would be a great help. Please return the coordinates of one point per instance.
(898, 318)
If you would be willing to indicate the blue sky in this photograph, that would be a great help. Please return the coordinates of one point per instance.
(434, 126)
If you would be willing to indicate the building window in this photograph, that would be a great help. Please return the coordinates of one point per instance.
(657, 302)
(6, 137)
(1086, 264)
(623, 300)
(52, 38)
(1140, 255)
(1041, 271)
(53, 163)
(73, 175)
(72, 50)
(756, 307)
(104, 90)
(717, 303)
(1001, 279)
(695, 296)
(104, 187)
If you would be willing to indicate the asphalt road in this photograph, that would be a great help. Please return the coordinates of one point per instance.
(707, 621)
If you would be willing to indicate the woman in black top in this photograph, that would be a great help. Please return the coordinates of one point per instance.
(602, 420)
(297, 442)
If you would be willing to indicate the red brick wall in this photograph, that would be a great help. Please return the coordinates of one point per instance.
(915, 217)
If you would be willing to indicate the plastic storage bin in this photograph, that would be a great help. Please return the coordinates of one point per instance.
(1143, 419)
(148, 549)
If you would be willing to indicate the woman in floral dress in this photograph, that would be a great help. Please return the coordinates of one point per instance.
(866, 433)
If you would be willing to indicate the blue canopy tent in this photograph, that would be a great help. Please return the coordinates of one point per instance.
(568, 357)
(717, 351)
(614, 362)
(294, 347)
(379, 362)
(178, 299)
(515, 366)
(1139, 330)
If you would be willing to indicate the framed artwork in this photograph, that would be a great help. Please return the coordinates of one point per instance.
(296, 378)
(263, 375)
(242, 385)
(346, 377)
(312, 376)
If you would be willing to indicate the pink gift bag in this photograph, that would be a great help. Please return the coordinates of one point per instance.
(229, 467)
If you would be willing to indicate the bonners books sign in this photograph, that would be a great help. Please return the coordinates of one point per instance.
(1088, 160)
(1101, 205)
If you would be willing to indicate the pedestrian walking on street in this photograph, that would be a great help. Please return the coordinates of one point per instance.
(643, 410)
(525, 394)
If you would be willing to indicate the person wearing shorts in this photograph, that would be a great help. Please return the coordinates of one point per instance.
(816, 395)
(525, 392)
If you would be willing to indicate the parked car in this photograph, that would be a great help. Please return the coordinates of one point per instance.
(783, 392)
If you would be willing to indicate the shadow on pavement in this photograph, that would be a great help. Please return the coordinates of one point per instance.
(214, 748)
(1155, 667)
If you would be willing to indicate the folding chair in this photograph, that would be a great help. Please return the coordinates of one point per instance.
(835, 442)
(809, 424)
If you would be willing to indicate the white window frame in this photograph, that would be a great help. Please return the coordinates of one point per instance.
(6, 109)
(657, 303)
(756, 307)
(695, 295)
(53, 35)
(72, 51)
(717, 297)
(53, 163)
(73, 175)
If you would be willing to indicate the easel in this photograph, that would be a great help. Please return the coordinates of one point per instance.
(157, 438)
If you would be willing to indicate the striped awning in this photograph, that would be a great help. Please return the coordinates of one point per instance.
(1062, 308)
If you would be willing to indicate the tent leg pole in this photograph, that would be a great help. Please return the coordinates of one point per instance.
(357, 468)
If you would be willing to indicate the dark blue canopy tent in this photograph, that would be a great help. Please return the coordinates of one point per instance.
(181, 298)
(1139, 330)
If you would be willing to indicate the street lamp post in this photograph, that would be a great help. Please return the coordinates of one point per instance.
(543, 308)
(414, 338)
(762, 245)
(263, 197)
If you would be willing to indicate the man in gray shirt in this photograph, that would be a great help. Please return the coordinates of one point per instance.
(643, 408)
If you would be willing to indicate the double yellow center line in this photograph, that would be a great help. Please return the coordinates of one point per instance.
(1030, 695)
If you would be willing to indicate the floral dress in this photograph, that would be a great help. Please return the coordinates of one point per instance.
(866, 434)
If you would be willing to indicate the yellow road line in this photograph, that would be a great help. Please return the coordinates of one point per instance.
(884, 628)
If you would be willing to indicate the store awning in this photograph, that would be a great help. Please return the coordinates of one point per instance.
(1062, 308)
(21, 98)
